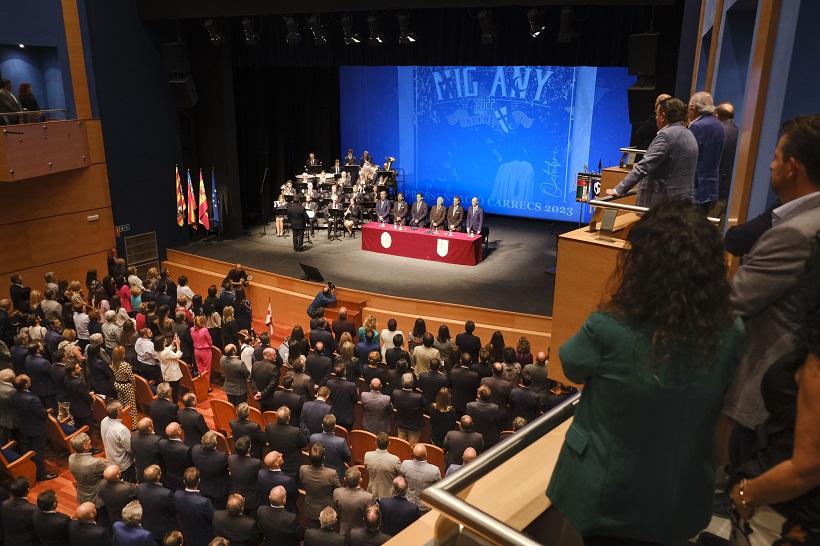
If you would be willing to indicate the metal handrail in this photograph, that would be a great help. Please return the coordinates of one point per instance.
(20, 114)
(442, 495)
(632, 208)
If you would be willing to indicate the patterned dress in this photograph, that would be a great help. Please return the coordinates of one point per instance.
(124, 385)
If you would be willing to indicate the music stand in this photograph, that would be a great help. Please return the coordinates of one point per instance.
(314, 169)
(336, 216)
(311, 273)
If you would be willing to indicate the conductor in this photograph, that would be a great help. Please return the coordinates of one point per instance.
(298, 222)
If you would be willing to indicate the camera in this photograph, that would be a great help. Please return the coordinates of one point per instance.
(331, 285)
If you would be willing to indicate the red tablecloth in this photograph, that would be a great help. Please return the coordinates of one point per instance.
(459, 248)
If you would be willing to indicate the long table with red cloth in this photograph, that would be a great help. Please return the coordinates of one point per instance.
(458, 248)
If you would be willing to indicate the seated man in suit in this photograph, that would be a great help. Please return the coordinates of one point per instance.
(271, 476)
(242, 426)
(236, 527)
(195, 511)
(279, 527)
(50, 525)
(129, 531)
(159, 512)
(398, 512)
(115, 492)
(17, 515)
(192, 422)
(163, 411)
(474, 221)
(418, 213)
(337, 452)
(455, 215)
(83, 531)
(145, 446)
(215, 478)
(176, 456)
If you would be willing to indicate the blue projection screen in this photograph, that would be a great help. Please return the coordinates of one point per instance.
(513, 136)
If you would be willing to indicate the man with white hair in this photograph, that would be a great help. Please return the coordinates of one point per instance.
(708, 131)
(111, 332)
(438, 214)
(129, 531)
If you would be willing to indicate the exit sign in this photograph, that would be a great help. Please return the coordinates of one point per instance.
(124, 227)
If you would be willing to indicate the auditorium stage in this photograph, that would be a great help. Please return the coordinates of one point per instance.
(511, 277)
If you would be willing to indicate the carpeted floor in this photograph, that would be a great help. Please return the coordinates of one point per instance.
(511, 277)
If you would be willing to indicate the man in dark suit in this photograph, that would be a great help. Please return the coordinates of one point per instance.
(499, 392)
(326, 534)
(245, 473)
(215, 478)
(298, 222)
(192, 422)
(33, 418)
(725, 113)
(58, 374)
(82, 531)
(468, 342)
(286, 397)
(350, 159)
(409, 409)
(145, 446)
(474, 221)
(311, 161)
(17, 515)
(50, 525)
(457, 441)
(337, 452)
(524, 401)
(170, 287)
(236, 527)
(39, 370)
(115, 492)
(265, 379)
(159, 512)
(320, 334)
(279, 527)
(163, 411)
(370, 534)
(383, 208)
(313, 412)
(288, 440)
(343, 324)
(162, 297)
(400, 210)
(396, 352)
(463, 382)
(10, 104)
(485, 416)
(418, 213)
(455, 215)
(242, 426)
(79, 399)
(195, 511)
(343, 397)
(318, 366)
(177, 457)
(271, 475)
(710, 137)
(129, 531)
(399, 513)
(430, 382)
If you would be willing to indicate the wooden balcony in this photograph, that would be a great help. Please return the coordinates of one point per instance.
(40, 149)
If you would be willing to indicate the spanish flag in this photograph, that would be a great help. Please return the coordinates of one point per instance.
(191, 203)
(203, 204)
(180, 201)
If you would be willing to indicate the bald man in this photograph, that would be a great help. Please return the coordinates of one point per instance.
(115, 492)
(158, 510)
(457, 441)
(468, 455)
(420, 475)
(176, 455)
(279, 527)
(287, 440)
(145, 446)
(234, 525)
(541, 382)
(272, 476)
(398, 512)
(265, 379)
(83, 531)
(376, 408)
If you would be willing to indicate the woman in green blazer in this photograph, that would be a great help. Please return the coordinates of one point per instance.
(656, 360)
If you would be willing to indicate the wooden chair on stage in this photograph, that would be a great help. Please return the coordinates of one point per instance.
(435, 456)
(224, 412)
(400, 448)
(23, 465)
(198, 385)
(361, 442)
(59, 441)
(143, 394)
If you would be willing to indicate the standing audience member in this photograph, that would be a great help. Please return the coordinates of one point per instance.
(236, 376)
(176, 456)
(145, 446)
(351, 501)
(215, 477)
(371, 533)
(313, 413)
(245, 473)
(243, 426)
(337, 452)
(319, 482)
(169, 355)
(287, 440)
(278, 526)
(324, 534)
(192, 422)
(195, 511)
(202, 346)
(32, 418)
(443, 417)
(468, 342)
(541, 383)
(159, 511)
(485, 416)
(343, 397)
(419, 475)
(234, 526)
(79, 399)
(710, 137)
(409, 410)
(82, 529)
(163, 411)
(725, 113)
(129, 531)
(115, 492)
(86, 469)
(116, 439)
(382, 468)
(50, 525)
(17, 515)
(457, 441)
(376, 409)
(524, 401)
(399, 513)
(124, 382)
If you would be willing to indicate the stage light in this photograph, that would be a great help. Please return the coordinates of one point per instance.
(567, 29)
(376, 36)
(294, 36)
(251, 36)
(22, 46)
(488, 33)
(319, 34)
(406, 36)
(213, 31)
(536, 19)
(347, 27)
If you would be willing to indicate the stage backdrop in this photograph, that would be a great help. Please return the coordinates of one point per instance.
(513, 136)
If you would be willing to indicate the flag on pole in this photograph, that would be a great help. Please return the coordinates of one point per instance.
(269, 320)
(215, 201)
(191, 203)
(203, 204)
(180, 201)
(599, 165)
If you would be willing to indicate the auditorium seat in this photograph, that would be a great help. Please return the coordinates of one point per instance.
(358, 416)
(256, 416)
(252, 402)
(365, 476)
(223, 444)
(98, 412)
(224, 412)
(341, 432)
(361, 442)
(435, 456)
(57, 437)
(426, 431)
(269, 417)
(143, 394)
(22, 465)
(400, 448)
(198, 385)
(504, 433)
(216, 363)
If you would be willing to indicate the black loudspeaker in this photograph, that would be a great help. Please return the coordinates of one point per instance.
(184, 92)
(641, 101)
(643, 54)
(176, 58)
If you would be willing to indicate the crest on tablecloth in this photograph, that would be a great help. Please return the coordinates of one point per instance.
(386, 240)
(442, 247)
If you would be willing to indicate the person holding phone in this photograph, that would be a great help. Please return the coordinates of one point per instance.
(169, 353)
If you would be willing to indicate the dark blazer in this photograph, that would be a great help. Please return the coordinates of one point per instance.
(298, 216)
(485, 420)
(215, 478)
(337, 452)
(264, 379)
(318, 367)
(18, 525)
(51, 528)
(430, 383)
(39, 370)
(58, 374)
(177, 457)
(193, 426)
(326, 338)
(457, 441)
(289, 441)
(88, 534)
(158, 509)
(280, 527)
(437, 216)
(727, 159)
(246, 427)
(79, 398)
(393, 355)
(340, 326)
(418, 213)
(708, 131)
(163, 412)
(293, 401)
(125, 535)
(195, 515)
(474, 220)
(464, 383)
(397, 514)
(364, 537)
(164, 299)
(313, 412)
(499, 393)
(268, 479)
(31, 413)
(146, 452)
(455, 216)
(323, 537)
(239, 530)
(343, 399)
(470, 344)
(244, 472)
(409, 409)
(116, 496)
(525, 403)
(236, 375)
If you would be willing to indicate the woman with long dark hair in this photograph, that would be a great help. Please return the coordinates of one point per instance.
(656, 359)
(443, 341)
(497, 346)
(242, 309)
(419, 329)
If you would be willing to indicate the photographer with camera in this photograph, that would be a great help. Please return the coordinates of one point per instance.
(325, 298)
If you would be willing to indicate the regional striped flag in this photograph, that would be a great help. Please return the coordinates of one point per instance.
(191, 203)
(203, 204)
(180, 201)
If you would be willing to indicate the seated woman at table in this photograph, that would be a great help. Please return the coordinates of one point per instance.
(280, 203)
(353, 216)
